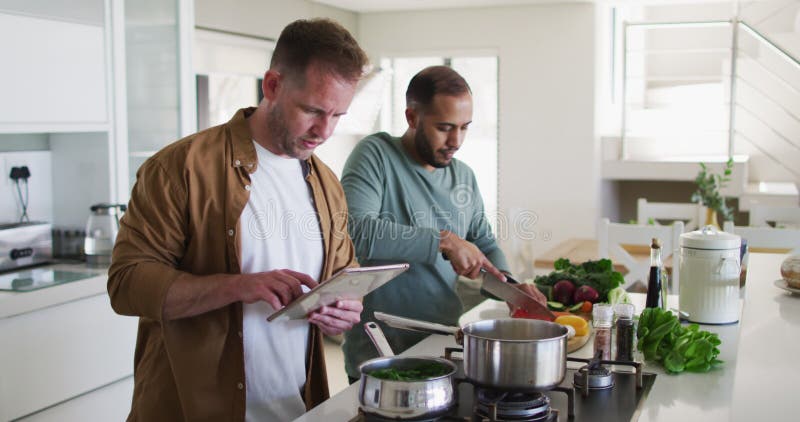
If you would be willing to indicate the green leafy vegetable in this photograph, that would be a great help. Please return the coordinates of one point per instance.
(599, 275)
(662, 338)
(419, 373)
(618, 295)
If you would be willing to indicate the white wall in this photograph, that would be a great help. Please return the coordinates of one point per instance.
(81, 176)
(39, 192)
(265, 18)
(548, 149)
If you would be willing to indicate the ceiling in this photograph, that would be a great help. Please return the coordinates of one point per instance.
(366, 6)
(363, 6)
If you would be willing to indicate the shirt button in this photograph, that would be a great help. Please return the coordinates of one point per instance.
(240, 386)
(230, 232)
(237, 162)
(247, 187)
(241, 334)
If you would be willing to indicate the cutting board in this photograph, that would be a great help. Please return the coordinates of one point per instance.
(577, 342)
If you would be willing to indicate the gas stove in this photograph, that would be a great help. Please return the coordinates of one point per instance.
(592, 390)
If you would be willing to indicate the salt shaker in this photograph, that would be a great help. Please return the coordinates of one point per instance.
(602, 315)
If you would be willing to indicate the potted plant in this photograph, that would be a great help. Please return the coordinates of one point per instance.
(708, 193)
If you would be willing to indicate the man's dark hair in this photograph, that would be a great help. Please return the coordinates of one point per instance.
(324, 41)
(434, 80)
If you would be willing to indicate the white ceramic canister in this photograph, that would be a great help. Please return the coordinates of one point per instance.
(709, 276)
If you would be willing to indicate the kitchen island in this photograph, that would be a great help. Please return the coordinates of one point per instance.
(755, 383)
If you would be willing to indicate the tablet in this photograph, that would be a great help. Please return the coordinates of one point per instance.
(349, 283)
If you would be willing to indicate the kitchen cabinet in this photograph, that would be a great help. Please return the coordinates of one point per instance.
(106, 82)
(110, 403)
(53, 77)
(60, 343)
(56, 81)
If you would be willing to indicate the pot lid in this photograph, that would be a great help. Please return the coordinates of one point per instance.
(709, 237)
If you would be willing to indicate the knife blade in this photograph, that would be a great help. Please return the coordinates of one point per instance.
(516, 297)
(486, 293)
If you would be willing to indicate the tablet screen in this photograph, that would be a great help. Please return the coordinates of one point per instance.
(349, 283)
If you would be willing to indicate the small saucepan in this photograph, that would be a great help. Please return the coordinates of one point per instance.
(504, 354)
(404, 399)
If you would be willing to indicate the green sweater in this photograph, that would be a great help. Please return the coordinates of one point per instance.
(397, 209)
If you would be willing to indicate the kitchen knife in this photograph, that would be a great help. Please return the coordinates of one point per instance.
(483, 271)
(484, 292)
(516, 297)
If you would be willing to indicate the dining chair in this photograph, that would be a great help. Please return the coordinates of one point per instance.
(767, 239)
(691, 214)
(614, 240)
(780, 217)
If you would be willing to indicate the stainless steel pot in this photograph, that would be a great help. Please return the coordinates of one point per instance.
(508, 354)
(403, 399)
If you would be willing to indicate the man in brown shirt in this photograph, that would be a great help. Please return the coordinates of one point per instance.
(177, 263)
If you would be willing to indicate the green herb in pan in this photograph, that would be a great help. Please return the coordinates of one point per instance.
(418, 373)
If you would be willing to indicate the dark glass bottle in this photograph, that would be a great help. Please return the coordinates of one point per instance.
(655, 298)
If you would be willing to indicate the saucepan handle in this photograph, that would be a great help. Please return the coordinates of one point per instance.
(378, 339)
(416, 325)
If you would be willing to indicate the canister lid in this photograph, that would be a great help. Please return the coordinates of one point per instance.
(709, 237)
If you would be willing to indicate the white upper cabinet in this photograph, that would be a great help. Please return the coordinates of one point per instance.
(53, 77)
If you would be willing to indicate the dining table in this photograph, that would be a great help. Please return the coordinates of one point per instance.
(579, 250)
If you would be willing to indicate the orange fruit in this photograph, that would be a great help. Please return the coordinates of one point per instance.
(580, 325)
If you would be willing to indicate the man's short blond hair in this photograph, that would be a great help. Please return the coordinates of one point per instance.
(319, 41)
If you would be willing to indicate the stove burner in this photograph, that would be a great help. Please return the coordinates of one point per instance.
(363, 416)
(593, 376)
(599, 377)
(512, 406)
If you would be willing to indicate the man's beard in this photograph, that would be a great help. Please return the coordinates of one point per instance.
(279, 133)
(425, 152)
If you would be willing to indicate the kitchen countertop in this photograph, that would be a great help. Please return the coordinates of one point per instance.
(755, 383)
(17, 303)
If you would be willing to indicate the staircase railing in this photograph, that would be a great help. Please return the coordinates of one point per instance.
(736, 26)
(783, 52)
(795, 64)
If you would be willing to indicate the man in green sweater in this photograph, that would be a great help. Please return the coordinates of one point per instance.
(411, 201)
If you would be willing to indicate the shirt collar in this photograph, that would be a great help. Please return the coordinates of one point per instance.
(244, 153)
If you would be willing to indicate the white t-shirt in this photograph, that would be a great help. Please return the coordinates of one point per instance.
(280, 229)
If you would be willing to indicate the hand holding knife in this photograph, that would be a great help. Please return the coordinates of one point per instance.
(469, 261)
(514, 293)
(465, 257)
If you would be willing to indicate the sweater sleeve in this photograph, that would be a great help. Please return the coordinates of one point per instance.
(375, 233)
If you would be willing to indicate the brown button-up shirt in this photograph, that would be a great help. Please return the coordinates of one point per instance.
(183, 216)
